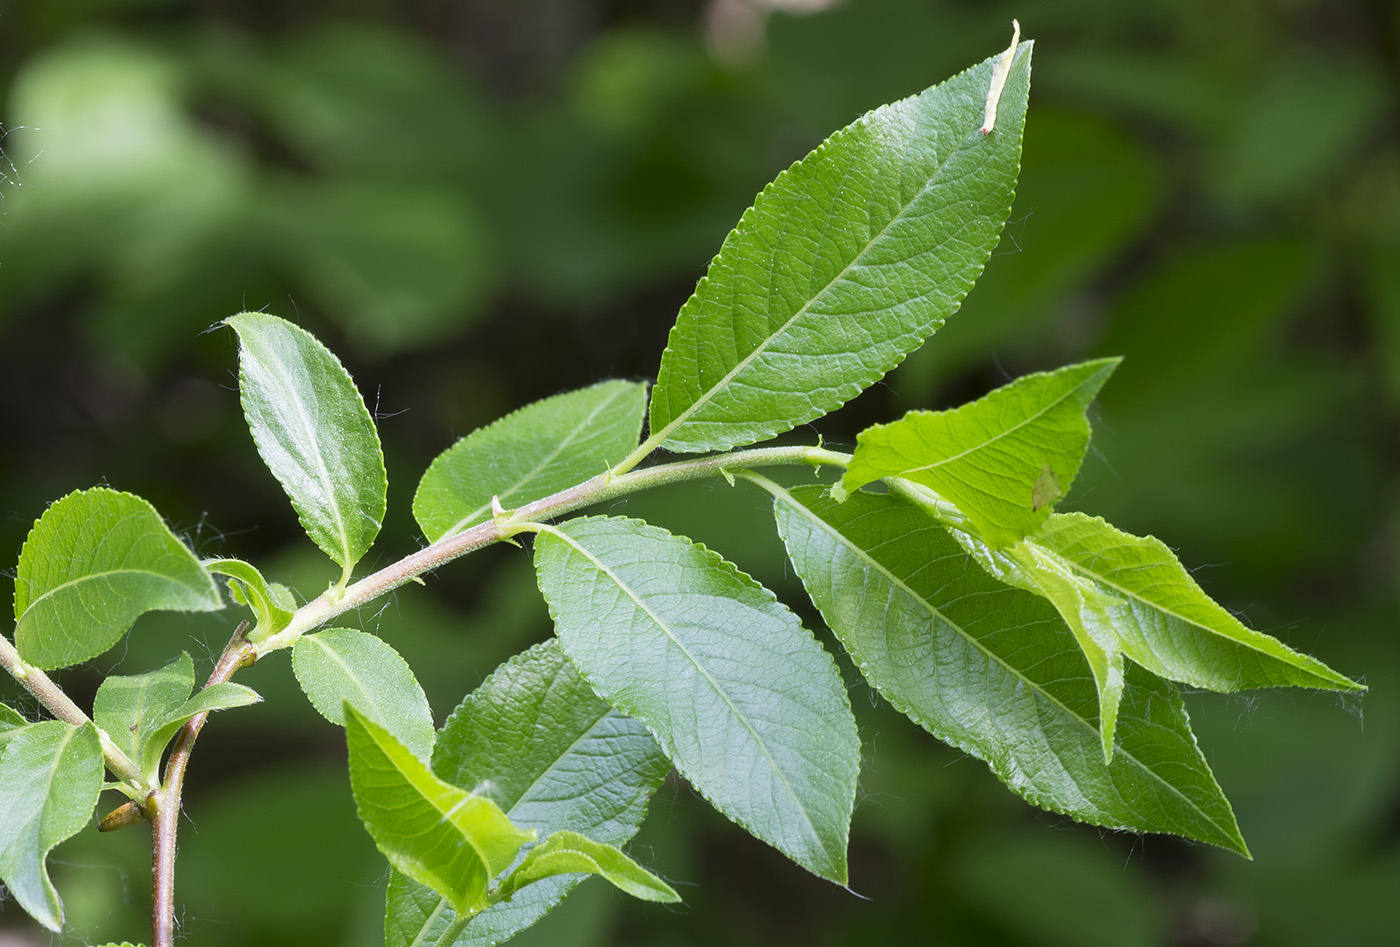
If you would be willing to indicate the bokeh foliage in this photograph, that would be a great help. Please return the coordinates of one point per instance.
(479, 204)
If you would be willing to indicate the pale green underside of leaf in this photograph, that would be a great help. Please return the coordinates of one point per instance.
(543, 448)
(95, 562)
(990, 456)
(50, 776)
(738, 694)
(993, 671)
(536, 740)
(1166, 623)
(313, 432)
(437, 834)
(568, 853)
(845, 264)
(340, 664)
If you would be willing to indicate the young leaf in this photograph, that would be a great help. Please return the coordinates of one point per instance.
(541, 449)
(129, 707)
(224, 696)
(340, 665)
(844, 265)
(313, 432)
(565, 853)
(248, 587)
(435, 833)
(739, 695)
(992, 670)
(1002, 460)
(1165, 622)
(95, 562)
(50, 776)
(537, 741)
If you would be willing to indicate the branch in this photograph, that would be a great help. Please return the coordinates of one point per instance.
(164, 805)
(604, 487)
(61, 706)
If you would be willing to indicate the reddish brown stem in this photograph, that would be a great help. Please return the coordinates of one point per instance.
(164, 804)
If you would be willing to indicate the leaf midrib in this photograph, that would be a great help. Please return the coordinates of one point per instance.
(93, 576)
(762, 347)
(932, 610)
(782, 777)
(433, 800)
(1005, 432)
(307, 428)
(443, 902)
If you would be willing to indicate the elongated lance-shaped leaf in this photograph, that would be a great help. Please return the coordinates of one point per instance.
(129, 707)
(1003, 459)
(993, 671)
(1162, 618)
(50, 776)
(740, 696)
(95, 562)
(565, 853)
(537, 741)
(340, 664)
(248, 587)
(313, 432)
(541, 449)
(845, 264)
(223, 696)
(438, 834)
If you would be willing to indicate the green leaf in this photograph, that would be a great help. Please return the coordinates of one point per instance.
(844, 265)
(340, 665)
(223, 696)
(566, 853)
(993, 671)
(313, 432)
(1165, 622)
(11, 722)
(739, 695)
(248, 587)
(50, 776)
(1002, 460)
(541, 449)
(129, 707)
(435, 833)
(1088, 614)
(536, 740)
(95, 562)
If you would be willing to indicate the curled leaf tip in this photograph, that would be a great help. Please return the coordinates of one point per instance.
(999, 74)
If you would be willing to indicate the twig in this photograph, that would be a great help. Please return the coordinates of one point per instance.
(164, 805)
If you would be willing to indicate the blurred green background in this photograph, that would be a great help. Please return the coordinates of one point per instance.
(479, 203)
